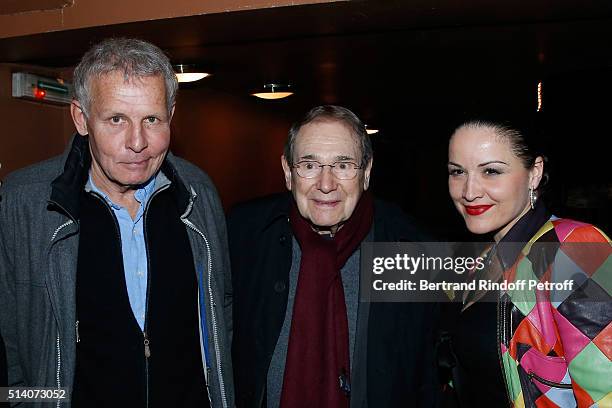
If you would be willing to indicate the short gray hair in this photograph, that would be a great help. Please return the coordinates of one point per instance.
(332, 113)
(135, 58)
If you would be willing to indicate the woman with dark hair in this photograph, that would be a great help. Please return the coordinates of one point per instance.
(535, 346)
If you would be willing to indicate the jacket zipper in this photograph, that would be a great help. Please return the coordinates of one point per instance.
(544, 381)
(501, 329)
(146, 340)
(501, 338)
(147, 354)
(58, 367)
(206, 368)
(58, 229)
(212, 302)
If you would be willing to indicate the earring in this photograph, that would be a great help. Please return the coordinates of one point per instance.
(532, 198)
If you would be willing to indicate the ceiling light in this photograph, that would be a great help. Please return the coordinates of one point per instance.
(370, 131)
(539, 96)
(189, 73)
(274, 91)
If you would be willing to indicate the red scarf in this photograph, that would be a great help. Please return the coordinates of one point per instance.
(318, 364)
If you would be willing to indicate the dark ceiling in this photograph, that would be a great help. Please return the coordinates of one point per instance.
(372, 55)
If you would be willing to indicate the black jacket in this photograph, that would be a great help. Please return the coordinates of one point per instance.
(3, 377)
(400, 369)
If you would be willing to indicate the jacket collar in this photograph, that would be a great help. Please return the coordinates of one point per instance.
(67, 187)
(526, 227)
(183, 194)
(280, 209)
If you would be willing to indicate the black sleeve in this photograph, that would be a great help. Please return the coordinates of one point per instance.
(429, 386)
(3, 373)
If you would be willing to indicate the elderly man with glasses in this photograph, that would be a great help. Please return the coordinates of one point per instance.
(302, 338)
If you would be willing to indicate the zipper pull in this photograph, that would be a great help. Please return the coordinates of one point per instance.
(147, 349)
(207, 375)
(78, 339)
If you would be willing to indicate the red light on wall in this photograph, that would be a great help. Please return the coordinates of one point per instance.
(39, 93)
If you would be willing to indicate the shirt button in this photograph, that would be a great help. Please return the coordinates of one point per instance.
(279, 286)
(140, 274)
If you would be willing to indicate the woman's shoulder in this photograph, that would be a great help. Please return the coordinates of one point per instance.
(569, 230)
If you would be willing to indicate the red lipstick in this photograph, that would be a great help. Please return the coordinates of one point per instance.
(477, 209)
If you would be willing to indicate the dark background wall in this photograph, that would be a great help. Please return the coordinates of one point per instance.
(407, 69)
(237, 140)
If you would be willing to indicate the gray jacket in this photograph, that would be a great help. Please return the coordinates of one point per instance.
(38, 262)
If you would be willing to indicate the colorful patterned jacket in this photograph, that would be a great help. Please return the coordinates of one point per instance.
(556, 345)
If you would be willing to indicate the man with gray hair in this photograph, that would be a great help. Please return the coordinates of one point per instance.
(114, 270)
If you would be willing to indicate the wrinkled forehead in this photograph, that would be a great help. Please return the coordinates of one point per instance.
(124, 77)
(326, 139)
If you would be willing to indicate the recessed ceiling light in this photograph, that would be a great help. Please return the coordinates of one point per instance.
(274, 91)
(189, 73)
(370, 131)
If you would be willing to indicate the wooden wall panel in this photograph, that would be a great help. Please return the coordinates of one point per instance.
(30, 131)
(23, 6)
(93, 13)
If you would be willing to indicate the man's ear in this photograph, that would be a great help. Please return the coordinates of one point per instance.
(286, 171)
(366, 175)
(78, 117)
(171, 114)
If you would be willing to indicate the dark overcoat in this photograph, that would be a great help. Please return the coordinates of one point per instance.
(400, 368)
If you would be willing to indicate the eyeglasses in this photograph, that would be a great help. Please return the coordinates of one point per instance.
(343, 170)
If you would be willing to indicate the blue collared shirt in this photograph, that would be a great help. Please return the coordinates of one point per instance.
(132, 246)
